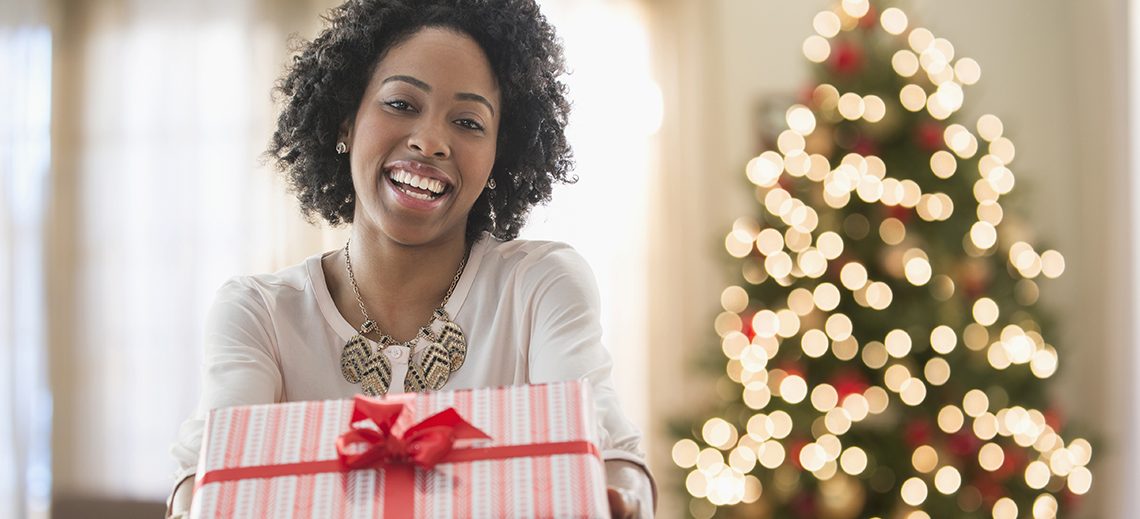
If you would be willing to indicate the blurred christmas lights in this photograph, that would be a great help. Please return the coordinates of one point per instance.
(812, 251)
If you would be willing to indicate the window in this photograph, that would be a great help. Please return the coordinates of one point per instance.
(25, 150)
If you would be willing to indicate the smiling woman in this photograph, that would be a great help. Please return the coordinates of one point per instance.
(431, 129)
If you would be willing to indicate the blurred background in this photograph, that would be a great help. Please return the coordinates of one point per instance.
(131, 188)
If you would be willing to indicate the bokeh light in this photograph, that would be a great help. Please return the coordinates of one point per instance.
(893, 20)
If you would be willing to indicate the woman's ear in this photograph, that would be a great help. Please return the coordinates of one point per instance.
(345, 133)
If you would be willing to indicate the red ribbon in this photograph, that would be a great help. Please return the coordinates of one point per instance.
(425, 444)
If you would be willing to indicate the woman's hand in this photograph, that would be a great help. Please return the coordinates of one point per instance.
(178, 504)
(622, 505)
(629, 491)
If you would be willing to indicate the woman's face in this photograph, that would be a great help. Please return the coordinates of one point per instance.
(423, 140)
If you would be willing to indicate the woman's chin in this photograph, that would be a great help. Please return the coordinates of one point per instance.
(410, 234)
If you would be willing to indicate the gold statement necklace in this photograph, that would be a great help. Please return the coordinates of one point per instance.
(447, 348)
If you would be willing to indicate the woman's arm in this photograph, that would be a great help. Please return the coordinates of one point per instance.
(566, 344)
(239, 367)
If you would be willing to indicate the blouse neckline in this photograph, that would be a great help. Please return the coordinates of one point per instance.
(315, 267)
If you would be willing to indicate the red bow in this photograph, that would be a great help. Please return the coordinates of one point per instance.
(422, 444)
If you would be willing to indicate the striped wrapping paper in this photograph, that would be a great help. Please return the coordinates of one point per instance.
(562, 485)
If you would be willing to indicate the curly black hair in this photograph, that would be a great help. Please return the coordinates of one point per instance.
(323, 87)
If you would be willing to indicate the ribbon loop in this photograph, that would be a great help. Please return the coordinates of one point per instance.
(423, 444)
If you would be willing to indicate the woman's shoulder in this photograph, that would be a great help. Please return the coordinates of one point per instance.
(529, 267)
(292, 280)
(251, 304)
(532, 255)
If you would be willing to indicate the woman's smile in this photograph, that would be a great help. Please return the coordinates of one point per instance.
(417, 185)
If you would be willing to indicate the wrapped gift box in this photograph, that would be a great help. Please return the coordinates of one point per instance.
(522, 451)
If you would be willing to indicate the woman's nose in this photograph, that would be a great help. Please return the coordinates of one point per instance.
(429, 140)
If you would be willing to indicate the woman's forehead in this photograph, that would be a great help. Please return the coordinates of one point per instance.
(440, 59)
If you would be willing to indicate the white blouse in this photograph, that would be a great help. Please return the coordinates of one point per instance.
(529, 310)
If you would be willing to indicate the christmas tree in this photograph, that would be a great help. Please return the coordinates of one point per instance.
(884, 342)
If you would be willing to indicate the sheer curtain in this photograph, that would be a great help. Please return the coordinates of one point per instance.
(168, 110)
(25, 115)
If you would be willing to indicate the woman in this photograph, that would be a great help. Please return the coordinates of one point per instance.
(431, 127)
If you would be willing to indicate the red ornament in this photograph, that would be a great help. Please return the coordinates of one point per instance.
(990, 489)
(804, 506)
(834, 268)
(792, 368)
(1069, 500)
(865, 146)
(903, 214)
(963, 444)
(929, 136)
(973, 276)
(973, 290)
(846, 59)
(1014, 463)
(794, 448)
(785, 182)
(868, 20)
(1053, 418)
(917, 433)
(975, 287)
(848, 382)
(806, 94)
(746, 324)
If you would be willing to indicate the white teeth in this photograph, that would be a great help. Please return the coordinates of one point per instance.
(420, 196)
(411, 179)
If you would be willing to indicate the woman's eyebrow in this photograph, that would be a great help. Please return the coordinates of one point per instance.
(467, 96)
(463, 96)
(410, 80)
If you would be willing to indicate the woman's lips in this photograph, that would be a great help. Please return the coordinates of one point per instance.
(414, 198)
(417, 168)
(417, 185)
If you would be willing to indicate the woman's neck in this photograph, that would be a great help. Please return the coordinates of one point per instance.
(392, 276)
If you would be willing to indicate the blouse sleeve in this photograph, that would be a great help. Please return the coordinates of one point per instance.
(239, 364)
(566, 344)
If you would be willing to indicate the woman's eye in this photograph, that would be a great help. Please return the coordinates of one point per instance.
(402, 106)
(469, 124)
